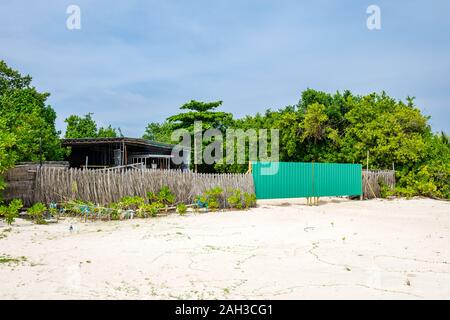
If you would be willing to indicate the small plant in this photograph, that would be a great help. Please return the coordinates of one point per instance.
(36, 213)
(235, 199)
(11, 212)
(213, 196)
(385, 190)
(249, 200)
(154, 208)
(114, 211)
(78, 207)
(210, 199)
(114, 215)
(181, 209)
(150, 209)
(152, 197)
(165, 196)
(201, 201)
(11, 260)
(142, 211)
(53, 209)
(131, 203)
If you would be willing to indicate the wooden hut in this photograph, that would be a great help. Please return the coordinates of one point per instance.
(112, 152)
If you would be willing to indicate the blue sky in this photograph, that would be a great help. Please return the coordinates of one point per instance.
(135, 62)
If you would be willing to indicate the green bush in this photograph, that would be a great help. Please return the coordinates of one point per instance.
(76, 207)
(235, 199)
(142, 211)
(149, 209)
(428, 181)
(154, 208)
(181, 209)
(131, 203)
(385, 190)
(152, 197)
(53, 209)
(114, 211)
(11, 212)
(36, 213)
(213, 197)
(210, 199)
(249, 200)
(114, 215)
(165, 196)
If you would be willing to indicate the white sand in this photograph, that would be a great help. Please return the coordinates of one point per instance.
(341, 249)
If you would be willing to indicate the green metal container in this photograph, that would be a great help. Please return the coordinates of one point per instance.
(274, 180)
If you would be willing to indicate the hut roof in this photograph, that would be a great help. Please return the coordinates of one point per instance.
(126, 140)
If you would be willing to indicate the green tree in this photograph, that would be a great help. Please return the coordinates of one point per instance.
(29, 120)
(159, 132)
(7, 156)
(108, 132)
(344, 127)
(204, 112)
(86, 127)
(81, 127)
(314, 125)
(341, 127)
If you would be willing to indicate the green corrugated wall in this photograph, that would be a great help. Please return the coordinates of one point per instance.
(306, 179)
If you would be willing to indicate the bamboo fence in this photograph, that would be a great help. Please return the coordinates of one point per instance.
(21, 180)
(373, 179)
(105, 187)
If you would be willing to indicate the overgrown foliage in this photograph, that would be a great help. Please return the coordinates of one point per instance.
(36, 213)
(240, 200)
(194, 111)
(86, 127)
(25, 120)
(321, 127)
(159, 132)
(11, 212)
(181, 209)
(344, 127)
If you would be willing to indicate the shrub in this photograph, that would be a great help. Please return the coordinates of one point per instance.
(154, 208)
(77, 207)
(114, 214)
(181, 209)
(249, 200)
(131, 203)
(428, 181)
(152, 197)
(36, 213)
(385, 190)
(210, 199)
(11, 212)
(53, 209)
(114, 211)
(150, 209)
(165, 196)
(141, 212)
(234, 200)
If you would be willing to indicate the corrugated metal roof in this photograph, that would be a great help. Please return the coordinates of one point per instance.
(135, 141)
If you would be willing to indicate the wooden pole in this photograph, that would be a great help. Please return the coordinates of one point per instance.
(367, 160)
(40, 151)
(312, 179)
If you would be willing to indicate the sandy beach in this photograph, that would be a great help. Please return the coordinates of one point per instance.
(341, 249)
